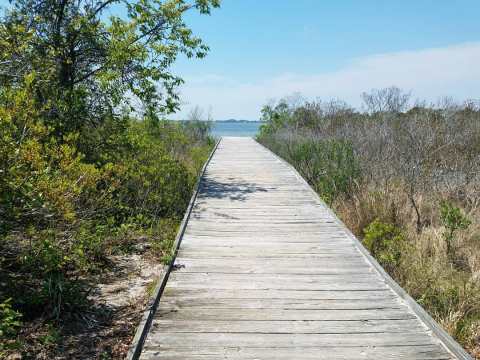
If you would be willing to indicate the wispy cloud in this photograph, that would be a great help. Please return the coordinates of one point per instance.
(429, 74)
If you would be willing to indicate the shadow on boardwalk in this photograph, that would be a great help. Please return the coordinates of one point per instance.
(233, 190)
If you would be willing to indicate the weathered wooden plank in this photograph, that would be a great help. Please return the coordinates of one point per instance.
(288, 327)
(278, 238)
(272, 266)
(291, 340)
(247, 294)
(285, 304)
(419, 352)
(192, 313)
(273, 253)
(279, 281)
(298, 248)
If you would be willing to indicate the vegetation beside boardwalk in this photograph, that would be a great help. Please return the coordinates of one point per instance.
(406, 180)
(88, 167)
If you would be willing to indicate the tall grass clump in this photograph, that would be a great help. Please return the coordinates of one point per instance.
(405, 179)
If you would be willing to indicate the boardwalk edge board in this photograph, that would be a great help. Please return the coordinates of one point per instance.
(447, 341)
(152, 305)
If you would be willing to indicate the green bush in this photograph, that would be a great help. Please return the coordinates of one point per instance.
(330, 166)
(9, 319)
(197, 129)
(63, 212)
(453, 219)
(386, 243)
(448, 295)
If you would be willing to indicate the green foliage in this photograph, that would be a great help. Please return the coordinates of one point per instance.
(275, 118)
(330, 166)
(51, 337)
(162, 234)
(198, 129)
(446, 294)
(453, 219)
(63, 216)
(87, 168)
(386, 243)
(85, 61)
(63, 212)
(9, 319)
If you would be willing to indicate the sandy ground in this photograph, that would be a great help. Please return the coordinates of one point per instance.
(106, 330)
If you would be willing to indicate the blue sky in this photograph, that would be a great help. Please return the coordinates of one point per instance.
(267, 49)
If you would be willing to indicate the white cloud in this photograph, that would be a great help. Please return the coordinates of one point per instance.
(429, 74)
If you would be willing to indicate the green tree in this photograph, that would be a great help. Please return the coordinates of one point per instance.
(453, 219)
(386, 243)
(86, 66)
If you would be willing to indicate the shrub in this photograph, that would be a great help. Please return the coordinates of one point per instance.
(386, 243)
(9, 319)
(65, 212)
(199, 130)
(330, 166)
(453, 219)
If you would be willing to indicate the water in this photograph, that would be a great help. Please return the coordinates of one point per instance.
(238, 128)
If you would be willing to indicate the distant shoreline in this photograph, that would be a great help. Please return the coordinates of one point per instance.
(231, 121)
(235, 120)
(238, 121)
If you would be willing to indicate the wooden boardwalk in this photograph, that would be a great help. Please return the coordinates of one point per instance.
(265, 271)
